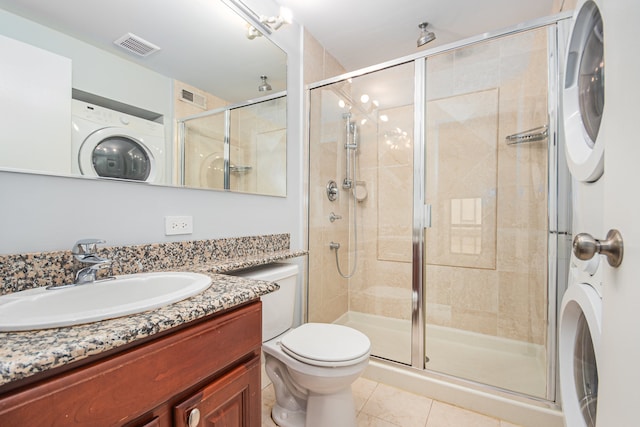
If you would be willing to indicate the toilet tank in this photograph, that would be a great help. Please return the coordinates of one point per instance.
(277, 307)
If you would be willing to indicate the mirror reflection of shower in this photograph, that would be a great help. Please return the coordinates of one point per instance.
(349, 182)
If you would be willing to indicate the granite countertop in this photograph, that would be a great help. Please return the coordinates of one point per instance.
(24, 354)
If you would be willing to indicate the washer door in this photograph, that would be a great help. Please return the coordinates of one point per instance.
(580, 330)
(212, 171)
(113, 153)
(583, 95)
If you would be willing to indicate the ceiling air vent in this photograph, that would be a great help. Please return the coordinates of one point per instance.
(193, 98)
(136, 45)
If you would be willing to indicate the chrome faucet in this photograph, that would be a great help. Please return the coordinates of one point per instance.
(85, 251)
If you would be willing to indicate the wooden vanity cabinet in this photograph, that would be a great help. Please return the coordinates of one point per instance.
(225, 402)
(208, 371)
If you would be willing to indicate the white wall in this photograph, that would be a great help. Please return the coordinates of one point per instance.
(94, 70)
(43, 213)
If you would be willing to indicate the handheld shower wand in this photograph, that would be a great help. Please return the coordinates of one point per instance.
(349, 182)
(351, 146)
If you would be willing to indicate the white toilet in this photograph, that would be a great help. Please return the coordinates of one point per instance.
(312, 366)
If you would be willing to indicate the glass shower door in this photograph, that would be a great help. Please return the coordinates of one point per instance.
(361, 145)
(486, 169)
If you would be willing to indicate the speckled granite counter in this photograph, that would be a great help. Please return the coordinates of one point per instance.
(28, 353)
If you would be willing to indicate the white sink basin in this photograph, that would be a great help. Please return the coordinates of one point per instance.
(43, 308)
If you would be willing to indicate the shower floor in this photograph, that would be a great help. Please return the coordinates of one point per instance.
(500, 362)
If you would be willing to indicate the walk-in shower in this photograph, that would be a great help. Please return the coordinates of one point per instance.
(240, 147)
(457, 242)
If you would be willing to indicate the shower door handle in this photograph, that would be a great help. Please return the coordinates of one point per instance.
(585, 247)
(426, 216)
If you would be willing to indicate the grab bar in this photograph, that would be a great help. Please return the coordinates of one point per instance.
(531, 135)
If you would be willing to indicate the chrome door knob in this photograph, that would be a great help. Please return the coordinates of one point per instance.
(585, 247)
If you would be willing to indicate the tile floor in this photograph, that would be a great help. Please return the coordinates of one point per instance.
(380, 405)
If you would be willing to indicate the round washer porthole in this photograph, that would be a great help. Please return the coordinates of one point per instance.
(579, 344)
(122, 158)
(583, 95)
(110, 153)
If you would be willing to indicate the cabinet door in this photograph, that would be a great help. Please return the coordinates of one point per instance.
(153, 423)
(231, 400)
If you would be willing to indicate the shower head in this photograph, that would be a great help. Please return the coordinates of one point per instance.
(426, 36)
(264, 86)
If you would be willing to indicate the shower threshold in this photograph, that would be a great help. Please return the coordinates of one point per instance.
(509, 364)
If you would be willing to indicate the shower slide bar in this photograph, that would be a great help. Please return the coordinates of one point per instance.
(532, 135)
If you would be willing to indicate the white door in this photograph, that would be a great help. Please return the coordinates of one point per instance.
(619, 370)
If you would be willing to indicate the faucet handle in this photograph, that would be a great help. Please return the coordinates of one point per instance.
(86, 247)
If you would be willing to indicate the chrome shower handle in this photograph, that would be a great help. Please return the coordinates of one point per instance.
(332, 190)
(333, 217)
(585, 247)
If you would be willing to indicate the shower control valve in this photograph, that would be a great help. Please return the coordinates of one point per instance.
(333, 217)
(334, 245)
(332, 190)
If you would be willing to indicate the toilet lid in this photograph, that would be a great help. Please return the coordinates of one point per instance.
(324, 344)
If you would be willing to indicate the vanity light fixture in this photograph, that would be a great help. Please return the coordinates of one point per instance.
(264, 86)
(260, 24)
(272, 22)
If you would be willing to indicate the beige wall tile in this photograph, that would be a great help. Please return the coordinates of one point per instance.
(461, 179)
(313, 59)
(438, 314)
(394, 183)
(318, 63)
(332, 67)
(474, 321)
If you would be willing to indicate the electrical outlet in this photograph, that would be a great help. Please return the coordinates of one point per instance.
(178, 225)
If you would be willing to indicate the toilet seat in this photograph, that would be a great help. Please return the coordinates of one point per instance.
(321, 344)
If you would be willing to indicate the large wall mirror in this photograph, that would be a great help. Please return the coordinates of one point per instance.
(178, 93)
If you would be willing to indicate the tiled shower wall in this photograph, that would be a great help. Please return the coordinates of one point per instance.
(331, 299)
(487, 264)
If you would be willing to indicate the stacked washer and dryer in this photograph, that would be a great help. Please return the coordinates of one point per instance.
(110, 144)
(581, 310)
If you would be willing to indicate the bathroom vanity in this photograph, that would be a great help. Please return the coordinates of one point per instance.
(207, 370)
(193, 362)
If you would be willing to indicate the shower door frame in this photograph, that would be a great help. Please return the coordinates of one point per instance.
(226, 110)
(557, 238)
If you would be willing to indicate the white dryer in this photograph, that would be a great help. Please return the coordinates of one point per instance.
(583, 94)
(110, 144)
(581, 309)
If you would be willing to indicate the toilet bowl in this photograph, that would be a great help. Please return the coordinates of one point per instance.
(312, 366)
